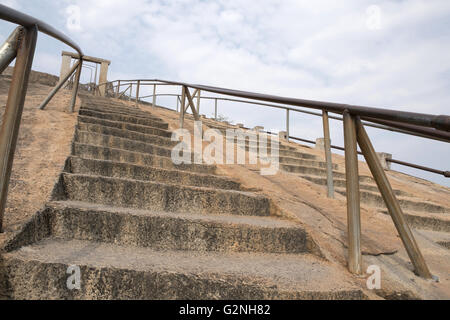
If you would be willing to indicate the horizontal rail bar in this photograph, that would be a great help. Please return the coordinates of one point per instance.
(25, 20)
(440, 122)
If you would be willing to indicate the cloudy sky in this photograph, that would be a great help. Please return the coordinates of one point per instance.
(392, 54)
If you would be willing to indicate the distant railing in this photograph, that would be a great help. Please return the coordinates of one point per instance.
(418, 124)
(21, 46)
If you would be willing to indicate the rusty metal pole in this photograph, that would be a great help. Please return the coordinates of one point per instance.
(392, 203)
(287, 125)
(8, 50)
(75, 86)
(328, 157)
(154, 96)
(215, 112)
(13, 112)
(137, 92)
(198, 101)
(118, 89)
(353, 196)
(183, 106)
(58, 86)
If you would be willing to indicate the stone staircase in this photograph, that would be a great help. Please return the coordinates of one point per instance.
(140, 227)
(433, 220)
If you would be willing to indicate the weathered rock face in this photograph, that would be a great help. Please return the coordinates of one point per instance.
(139, 227)
(37, 77)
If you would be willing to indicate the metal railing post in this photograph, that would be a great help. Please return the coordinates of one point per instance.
(137, 92)
(131, 92)
(13, 112)
(58, 86)
(215, 111)
(183, 106)
(154, 96)
(8, 50)
(198, 101)
(353, 196)
(75, 86)
(328, 157)
(118, 89)
(391, 201)
(178, 103)
(287, 125)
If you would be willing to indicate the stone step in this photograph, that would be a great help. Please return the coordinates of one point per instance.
(122, 111)
(297, 154)
(138, 158)
(305, 162)
(124, 118)
(156, 196)
(181, 231)
(341, 183)
(308, 170)
(85, 137)
(406, 203)
(127, 134)
(125, 126)
(440, 238)
(145, 173)
(122, 272)
(426, 221)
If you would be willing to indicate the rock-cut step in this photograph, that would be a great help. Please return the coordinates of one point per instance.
(407, 203)
(165, 231)
(146, 173)
(125, 126)
(138, 158)
(158, 196)
(110, 271)
(126, 134)
(123, 118)
(107, 141)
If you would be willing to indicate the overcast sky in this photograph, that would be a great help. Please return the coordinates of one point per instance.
(391, 54)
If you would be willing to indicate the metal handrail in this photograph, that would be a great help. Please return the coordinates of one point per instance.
(25, 20)
(21, 45)
(439, 122)
(443, 136)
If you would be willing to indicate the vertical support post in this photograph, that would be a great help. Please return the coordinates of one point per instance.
(178, 103)
(329, 160)
(103, 77)
(118, 89)
(392, 203)
(353, 196)
(75, 86)
(131, 92)
(198, 101)
(215, 112)
(137, 92)
(154, 96)
(13, 112)
(65, 65)
(183, 106)
(287, 125)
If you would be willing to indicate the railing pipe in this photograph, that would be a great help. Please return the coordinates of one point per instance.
(8, 50)
(75, 86)
(391, 201)
(13, 112)
(154, 96)
(353, 196)
(328, 157)
(58, 86)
